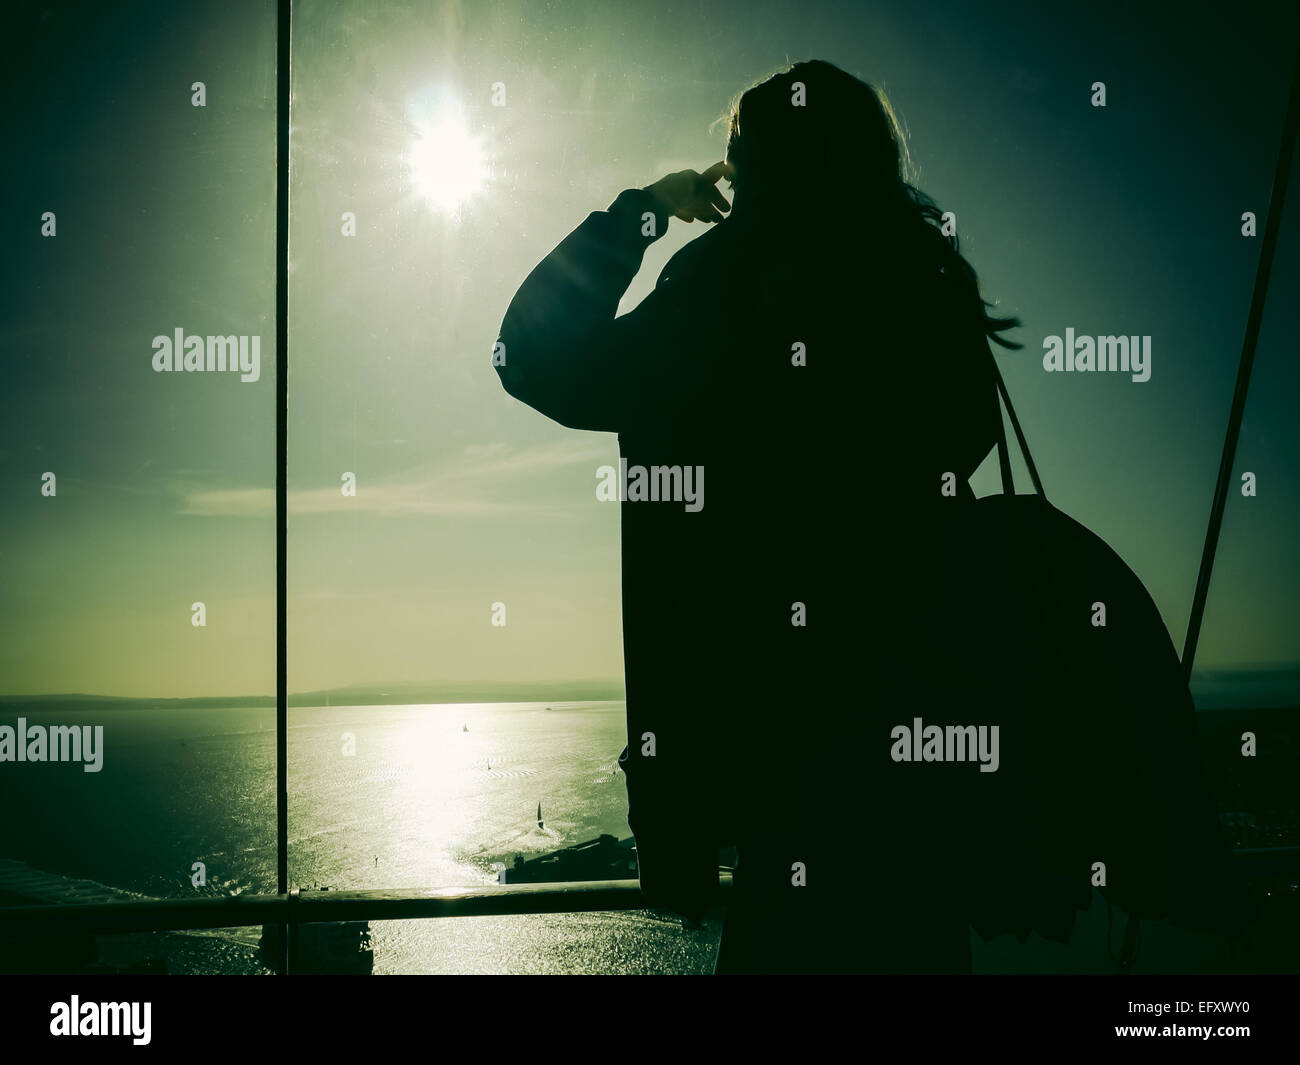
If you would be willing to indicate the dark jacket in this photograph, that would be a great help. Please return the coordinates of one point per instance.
(823, 493)
(814, 474)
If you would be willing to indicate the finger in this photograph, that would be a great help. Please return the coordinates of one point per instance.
(717, 172)
(708, 214)
(684, 215)
(717, 199)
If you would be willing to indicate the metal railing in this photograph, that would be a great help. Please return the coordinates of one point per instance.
(385, 904)
(289, 911)
(294, 908)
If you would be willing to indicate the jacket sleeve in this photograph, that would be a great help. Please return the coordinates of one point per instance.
(561, 348)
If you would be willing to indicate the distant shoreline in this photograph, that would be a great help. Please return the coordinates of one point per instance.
(10, 704)
(307, 700)
(1213, 690)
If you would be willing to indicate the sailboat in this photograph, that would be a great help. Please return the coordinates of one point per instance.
(540, 823)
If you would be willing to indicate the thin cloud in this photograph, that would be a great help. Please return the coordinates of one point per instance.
(485, 480)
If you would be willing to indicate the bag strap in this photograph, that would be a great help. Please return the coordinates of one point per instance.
(1004, 457)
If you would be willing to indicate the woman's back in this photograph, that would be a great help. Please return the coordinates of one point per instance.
(825, 383)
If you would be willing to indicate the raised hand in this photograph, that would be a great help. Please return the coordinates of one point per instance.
(689, 195)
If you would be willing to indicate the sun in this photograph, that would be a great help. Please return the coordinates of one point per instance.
(446, 162)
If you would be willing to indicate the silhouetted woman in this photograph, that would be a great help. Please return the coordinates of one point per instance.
(822, 355)
(805, 394)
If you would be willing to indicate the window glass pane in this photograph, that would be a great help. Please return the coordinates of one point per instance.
(438, 157)
(138, 545)
(428, 745)
(1248, 666)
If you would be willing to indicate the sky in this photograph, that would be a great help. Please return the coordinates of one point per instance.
(1117, 220)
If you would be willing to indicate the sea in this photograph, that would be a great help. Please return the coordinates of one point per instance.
(415, 796)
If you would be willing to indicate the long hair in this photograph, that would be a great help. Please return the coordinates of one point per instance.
(791, 135)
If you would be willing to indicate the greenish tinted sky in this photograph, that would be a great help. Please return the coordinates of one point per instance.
(1122, 220)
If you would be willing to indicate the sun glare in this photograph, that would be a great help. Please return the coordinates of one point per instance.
(446, 161)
